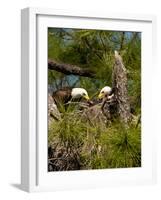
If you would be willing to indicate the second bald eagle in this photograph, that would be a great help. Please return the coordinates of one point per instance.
(106, 92)
(67, 94)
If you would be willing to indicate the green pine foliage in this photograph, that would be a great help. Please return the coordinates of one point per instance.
(98, 146)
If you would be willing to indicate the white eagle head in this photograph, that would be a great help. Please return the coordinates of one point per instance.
(78, 93)
(105, 91)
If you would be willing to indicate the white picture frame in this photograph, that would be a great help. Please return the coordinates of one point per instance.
(34, 176)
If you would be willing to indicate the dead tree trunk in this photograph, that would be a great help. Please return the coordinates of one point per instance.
(120, 89)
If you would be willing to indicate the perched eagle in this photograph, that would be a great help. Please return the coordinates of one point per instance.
(106, 92)
(66, 94)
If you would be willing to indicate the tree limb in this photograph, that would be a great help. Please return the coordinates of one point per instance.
(122, 40)
(70, 69)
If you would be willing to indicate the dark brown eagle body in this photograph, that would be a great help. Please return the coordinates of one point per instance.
(62, 96)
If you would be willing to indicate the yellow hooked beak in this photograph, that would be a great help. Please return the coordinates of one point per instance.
(86, 97)
(101, 95)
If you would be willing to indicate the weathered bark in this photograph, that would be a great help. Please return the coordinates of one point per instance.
(70, 69)
(53, 112)
(120, 89)
(108, 108)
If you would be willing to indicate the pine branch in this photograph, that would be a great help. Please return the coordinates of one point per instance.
(70, 69)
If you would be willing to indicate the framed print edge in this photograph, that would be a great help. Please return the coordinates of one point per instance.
(29, 94)
(28, 99)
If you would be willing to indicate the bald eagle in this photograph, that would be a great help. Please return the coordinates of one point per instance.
(65, 95)
(106, 92)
